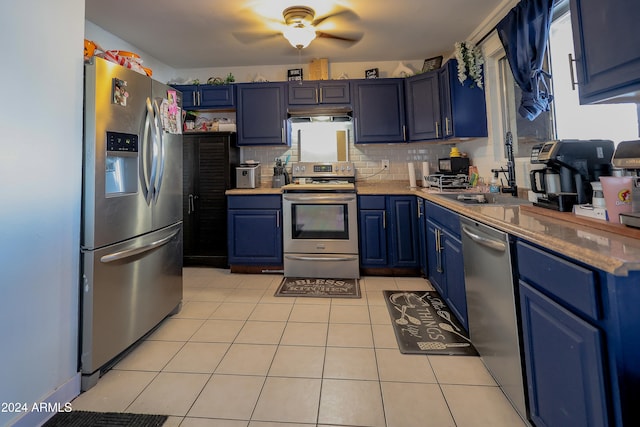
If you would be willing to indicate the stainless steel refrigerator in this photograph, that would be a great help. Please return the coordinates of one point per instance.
(131, 248)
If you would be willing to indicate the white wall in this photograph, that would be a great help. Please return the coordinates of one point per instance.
(274, 73)
(40, 190)
(161, 71)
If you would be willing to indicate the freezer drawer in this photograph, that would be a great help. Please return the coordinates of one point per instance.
(127, 289)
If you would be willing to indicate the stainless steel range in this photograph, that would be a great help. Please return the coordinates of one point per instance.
(321, 221)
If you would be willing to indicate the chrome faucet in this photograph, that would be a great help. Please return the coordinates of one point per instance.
(510, 171)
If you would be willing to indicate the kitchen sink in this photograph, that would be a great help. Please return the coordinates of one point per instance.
(484, 198)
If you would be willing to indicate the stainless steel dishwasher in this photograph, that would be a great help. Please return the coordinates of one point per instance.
(491, 306)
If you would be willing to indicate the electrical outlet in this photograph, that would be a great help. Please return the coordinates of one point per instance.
(385, 164)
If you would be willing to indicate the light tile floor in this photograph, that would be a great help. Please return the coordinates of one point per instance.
(238, 356)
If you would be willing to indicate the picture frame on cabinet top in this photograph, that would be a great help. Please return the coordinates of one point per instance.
(432, 64)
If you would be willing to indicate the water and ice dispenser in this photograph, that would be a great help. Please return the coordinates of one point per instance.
(121, 164)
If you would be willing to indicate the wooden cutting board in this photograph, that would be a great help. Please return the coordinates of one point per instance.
(580, 220)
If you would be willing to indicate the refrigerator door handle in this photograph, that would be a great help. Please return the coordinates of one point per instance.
(116, 256)
(144, 167)
(160, 154)
(154, 151)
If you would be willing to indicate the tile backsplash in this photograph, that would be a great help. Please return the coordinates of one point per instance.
(366, 157)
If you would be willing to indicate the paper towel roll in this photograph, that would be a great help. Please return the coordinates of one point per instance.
(412, 175)
(425, 173)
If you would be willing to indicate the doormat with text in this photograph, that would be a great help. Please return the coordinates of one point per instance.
(104, 419)
(423, 324)
(315, 287)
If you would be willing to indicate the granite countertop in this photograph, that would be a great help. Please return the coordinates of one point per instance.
(610, 252)
(265, 189)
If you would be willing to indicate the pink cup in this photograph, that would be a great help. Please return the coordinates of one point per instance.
(617, 195)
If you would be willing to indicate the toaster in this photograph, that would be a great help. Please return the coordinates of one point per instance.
(248, 176)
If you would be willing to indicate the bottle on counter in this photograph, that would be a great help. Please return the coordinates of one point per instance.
(494, 185)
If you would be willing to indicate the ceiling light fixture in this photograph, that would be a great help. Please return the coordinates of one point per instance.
(300, 30)
(299, 35)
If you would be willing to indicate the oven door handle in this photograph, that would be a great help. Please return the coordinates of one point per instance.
(318, 198)
(317, 258)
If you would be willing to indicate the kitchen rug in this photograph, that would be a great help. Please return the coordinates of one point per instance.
(423, 324)
(104, 419)
(321, 288)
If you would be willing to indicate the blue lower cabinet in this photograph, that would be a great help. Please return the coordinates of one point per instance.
(435, 259)
(454, 273)
(445, 264)
(373, 238)
(405, 251)
(564, 364)
(388, 232)
(255, 230)
(422, 236)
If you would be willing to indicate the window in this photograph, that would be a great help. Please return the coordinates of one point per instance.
(617, 122)
(567, 119)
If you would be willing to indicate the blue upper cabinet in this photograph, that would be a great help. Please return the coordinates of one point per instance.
(378, 106)
(261, 113)
(423, 107)
(202, 97)
(463, 109)
(607, 49)
(319, 92)
(440, 107)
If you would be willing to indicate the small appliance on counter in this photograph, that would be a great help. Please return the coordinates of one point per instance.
(627, 158)
(248, 175)
(280, 175)
(571, 166)
(453, 166)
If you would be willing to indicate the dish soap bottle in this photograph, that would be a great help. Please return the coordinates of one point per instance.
(494, 186)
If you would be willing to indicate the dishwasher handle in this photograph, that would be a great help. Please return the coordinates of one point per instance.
(496, 245)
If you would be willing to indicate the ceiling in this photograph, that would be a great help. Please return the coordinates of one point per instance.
(200, 33)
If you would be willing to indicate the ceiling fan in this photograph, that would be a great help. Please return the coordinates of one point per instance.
(300, 28)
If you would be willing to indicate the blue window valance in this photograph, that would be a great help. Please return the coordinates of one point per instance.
(524, 33)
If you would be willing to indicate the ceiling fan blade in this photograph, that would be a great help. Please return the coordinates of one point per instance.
(342, 13)
(250, 37)
(346, 37)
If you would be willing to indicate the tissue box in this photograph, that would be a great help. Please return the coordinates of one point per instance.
(589, 211)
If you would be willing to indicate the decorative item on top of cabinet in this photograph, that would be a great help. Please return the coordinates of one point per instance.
(372, 73)
(432, 64)
(469, 60)
(294, 74)
(605, 39)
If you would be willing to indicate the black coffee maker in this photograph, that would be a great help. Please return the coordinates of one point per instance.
(576, 163)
